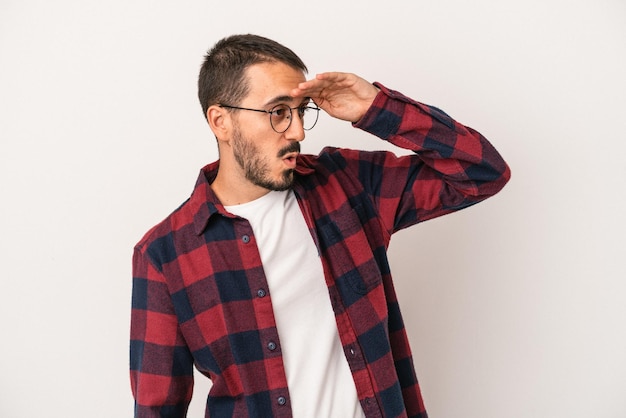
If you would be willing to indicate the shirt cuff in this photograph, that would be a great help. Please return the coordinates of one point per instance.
(384, 116)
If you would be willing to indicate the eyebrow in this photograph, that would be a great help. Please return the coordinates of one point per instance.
(284, 98)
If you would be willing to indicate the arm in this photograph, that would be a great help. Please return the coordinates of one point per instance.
(453, 166)
(161, 366)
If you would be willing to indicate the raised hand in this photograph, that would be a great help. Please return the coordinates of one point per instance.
(342, 95)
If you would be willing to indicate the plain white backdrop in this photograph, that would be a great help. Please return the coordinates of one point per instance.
(515, 308)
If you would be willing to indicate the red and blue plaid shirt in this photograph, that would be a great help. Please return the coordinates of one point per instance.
(200, 295)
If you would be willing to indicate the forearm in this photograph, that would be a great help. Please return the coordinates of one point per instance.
(454, 166)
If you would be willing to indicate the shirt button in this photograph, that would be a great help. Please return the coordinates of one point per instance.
(260, 293)
(281, 400)
(352, 352)
(245, 239)
(271, 346)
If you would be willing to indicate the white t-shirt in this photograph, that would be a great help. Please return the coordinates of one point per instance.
(319, 379)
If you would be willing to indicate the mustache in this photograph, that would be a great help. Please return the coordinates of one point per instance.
(293, 147)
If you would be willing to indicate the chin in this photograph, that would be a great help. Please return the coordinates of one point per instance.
(282, 184)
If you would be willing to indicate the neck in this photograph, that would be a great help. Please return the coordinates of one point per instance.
(234, 189)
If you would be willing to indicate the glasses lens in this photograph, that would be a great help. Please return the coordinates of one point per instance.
(308, 115)
(280, 117)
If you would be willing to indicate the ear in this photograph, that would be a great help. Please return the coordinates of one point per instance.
(219, 121)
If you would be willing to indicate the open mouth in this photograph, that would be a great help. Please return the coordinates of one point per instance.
(289, 154)
(290, 159)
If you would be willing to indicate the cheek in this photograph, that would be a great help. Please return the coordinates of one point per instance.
(266, 147)
(258, 142)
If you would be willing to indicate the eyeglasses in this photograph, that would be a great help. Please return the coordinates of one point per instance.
(281, 115)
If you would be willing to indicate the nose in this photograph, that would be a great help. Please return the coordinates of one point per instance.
(295, 132)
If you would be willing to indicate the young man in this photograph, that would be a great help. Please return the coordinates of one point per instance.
(272, 278)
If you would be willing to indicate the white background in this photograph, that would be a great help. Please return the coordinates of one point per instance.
(515, 307)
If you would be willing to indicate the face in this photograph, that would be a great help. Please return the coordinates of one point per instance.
(266, 158)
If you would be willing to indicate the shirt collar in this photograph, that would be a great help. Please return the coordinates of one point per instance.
(204, 201)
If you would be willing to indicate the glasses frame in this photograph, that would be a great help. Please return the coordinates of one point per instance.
(282, 106)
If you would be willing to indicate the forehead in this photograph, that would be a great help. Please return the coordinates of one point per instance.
(271, 80)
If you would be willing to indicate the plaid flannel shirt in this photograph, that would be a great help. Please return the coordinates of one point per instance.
(200, 295)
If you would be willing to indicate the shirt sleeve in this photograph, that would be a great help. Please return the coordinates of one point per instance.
(453, 166)
(161, 365)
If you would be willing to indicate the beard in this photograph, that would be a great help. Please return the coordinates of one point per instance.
(257, 168)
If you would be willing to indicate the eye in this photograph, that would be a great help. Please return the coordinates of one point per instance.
(303, 109)
(280, 112)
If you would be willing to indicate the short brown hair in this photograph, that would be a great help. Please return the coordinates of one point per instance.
(222, 75)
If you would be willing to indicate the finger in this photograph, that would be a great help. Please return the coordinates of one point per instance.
(333, 76)
(310, 87)
(321, 82)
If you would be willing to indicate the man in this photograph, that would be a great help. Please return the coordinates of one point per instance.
(272, 278)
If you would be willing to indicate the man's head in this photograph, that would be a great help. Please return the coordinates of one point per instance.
(245, 87)
(223, 73)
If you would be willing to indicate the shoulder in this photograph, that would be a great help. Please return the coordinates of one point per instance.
(172, 222)
(329, 157)
(190, 217)
(346, 159)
